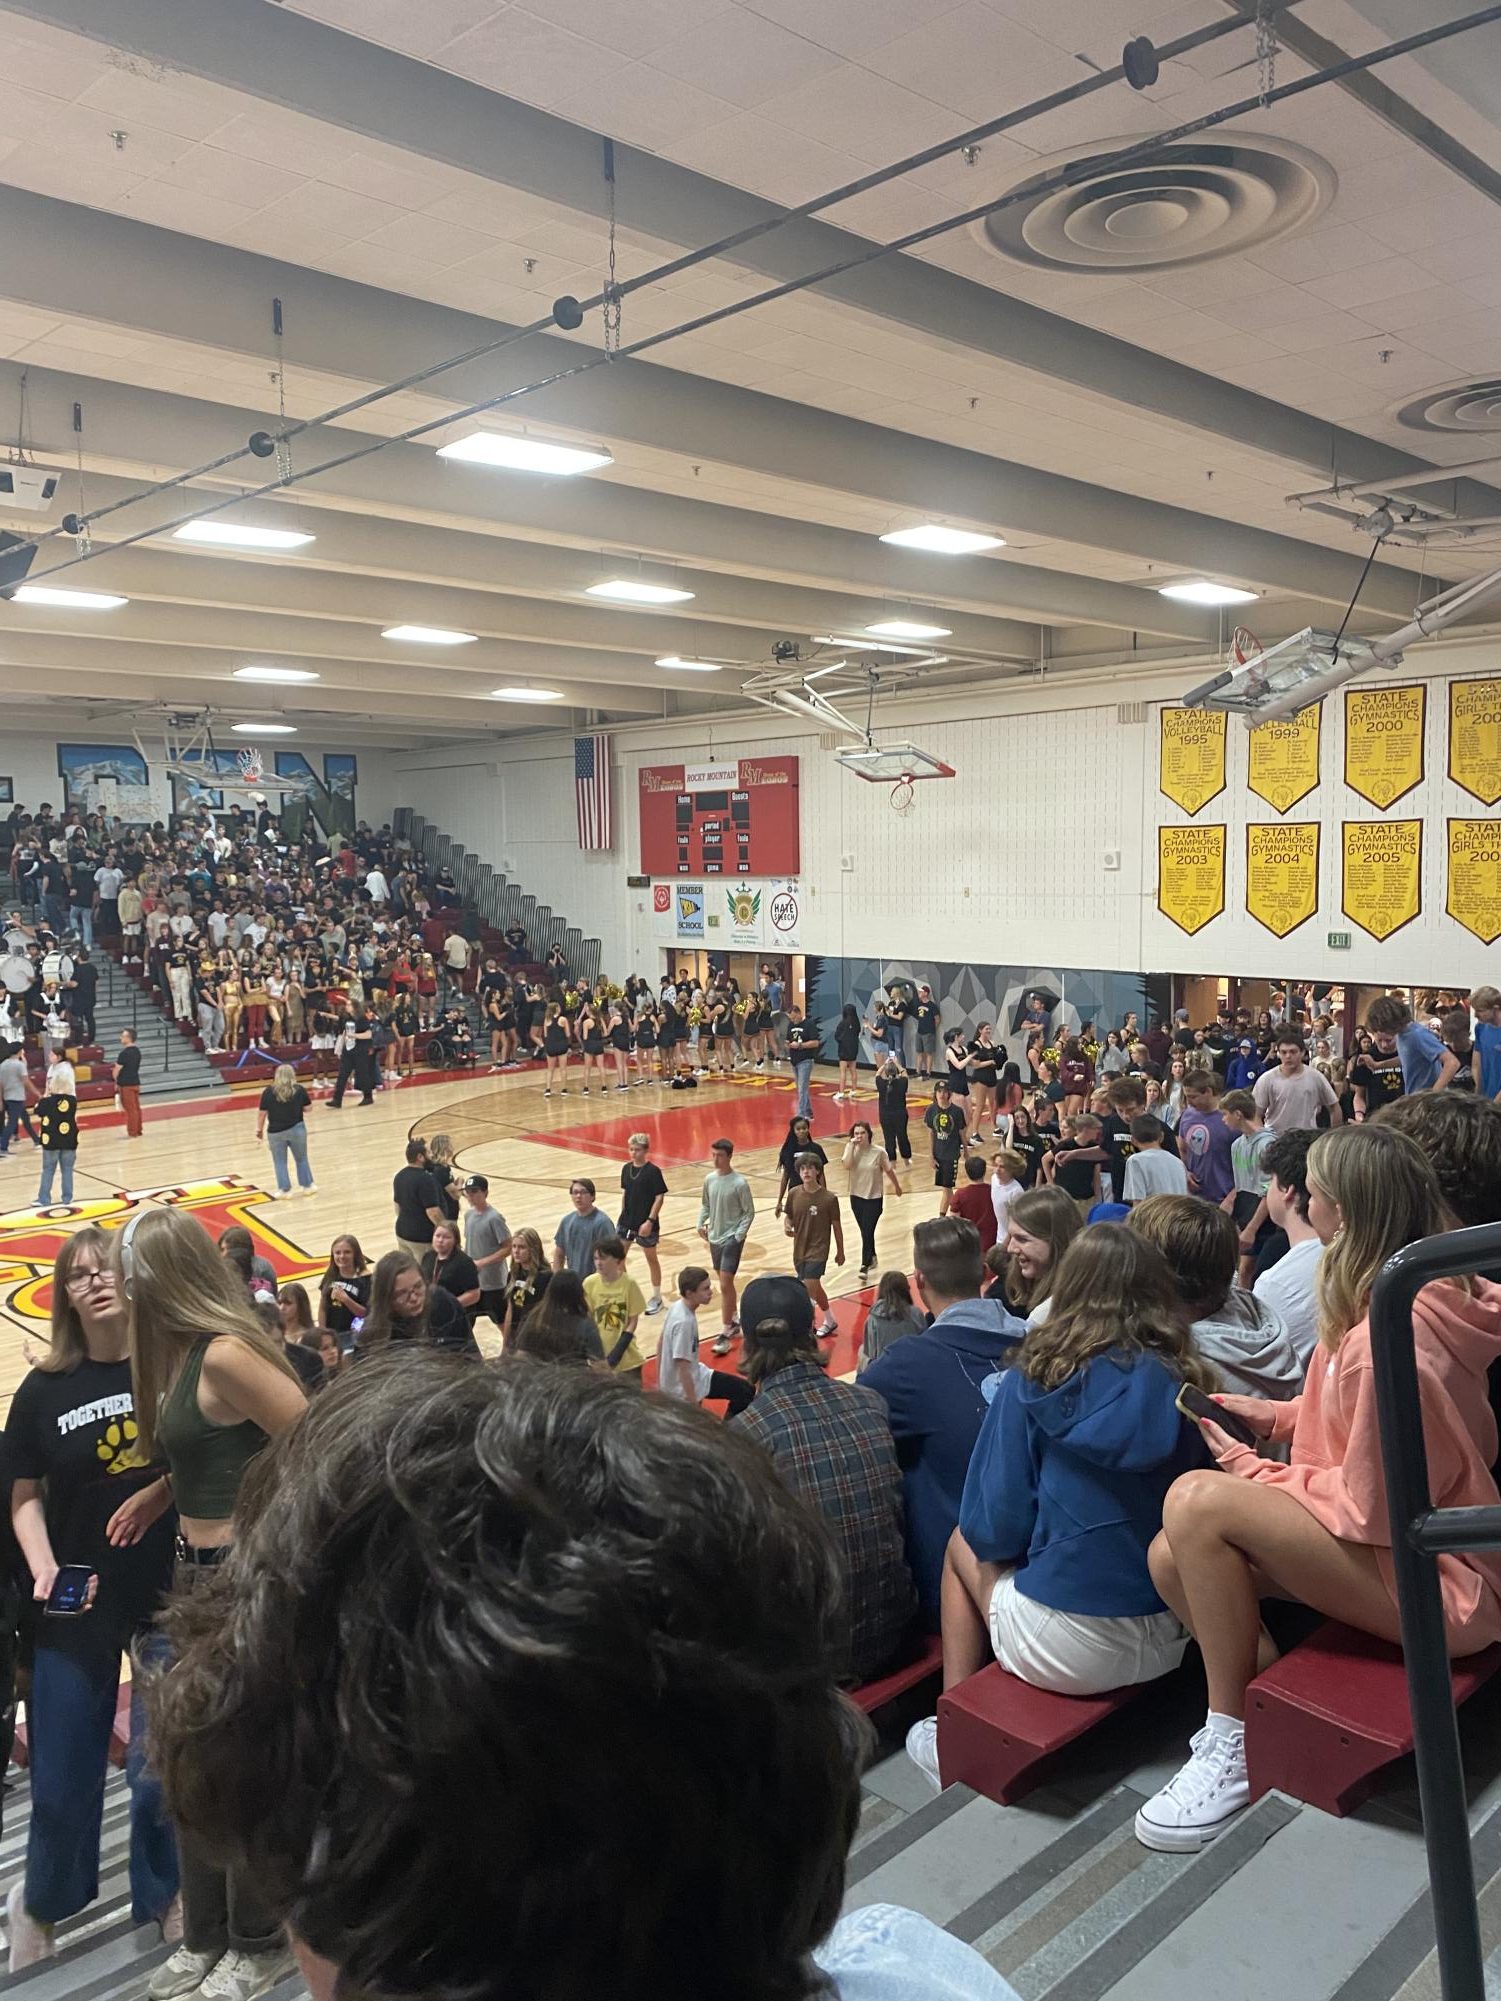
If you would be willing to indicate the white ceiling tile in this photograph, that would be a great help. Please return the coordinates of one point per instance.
(1415, 310)
(769, 160)
(506, 263)
(1437, 220)
(868, 116)
(741, 57)
(184, 209)
(1371, 282)
(521, 55)
(424, 236)
(368, 265)
(1463, 258)
(632, 27)
(90, 136)
(49, 59)
(643, 107)
(1321, 329)
(318, 206)
(1319, 253)
(1483, 289)
(186, 105)
(397, 24)
(851, 27)
(230, 177)
(394, 177)
(1223, 354)
(284, 139)
(32, 164)
(972, 60)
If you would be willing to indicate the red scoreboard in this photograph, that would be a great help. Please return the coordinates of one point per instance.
(720, 819)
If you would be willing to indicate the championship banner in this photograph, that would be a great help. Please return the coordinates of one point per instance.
(1474, 892)
(1382, 874)
(1475, 739)
(1191, 757)
(1384, 741)
(1283, 766)
(1191, 874)
(1282, 874)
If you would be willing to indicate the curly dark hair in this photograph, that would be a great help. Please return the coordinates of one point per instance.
(500, 1663)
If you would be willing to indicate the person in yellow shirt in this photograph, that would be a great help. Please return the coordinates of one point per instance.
(616, 1304)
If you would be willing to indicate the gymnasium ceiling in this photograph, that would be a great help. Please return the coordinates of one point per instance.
(1126, 382)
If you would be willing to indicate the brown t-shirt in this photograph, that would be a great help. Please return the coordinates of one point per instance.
(813, 1212)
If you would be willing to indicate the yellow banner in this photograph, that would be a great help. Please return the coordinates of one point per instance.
(1384, 741)
(1282, 874)
(1191, 874)
(1382, 874)
(1474, 894)
(1191, 757)
(1283, 766)
(1475, 739)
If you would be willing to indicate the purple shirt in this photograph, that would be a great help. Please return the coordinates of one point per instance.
(1204, 1140)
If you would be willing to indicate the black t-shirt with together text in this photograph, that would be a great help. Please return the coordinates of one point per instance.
(76, 1433)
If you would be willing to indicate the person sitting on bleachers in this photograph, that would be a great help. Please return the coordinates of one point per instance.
(1238, 1334)
(1047, 1570)
(510, 1636)
(1317, 1529)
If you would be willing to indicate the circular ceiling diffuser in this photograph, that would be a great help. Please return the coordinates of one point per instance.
(1467, 406)
(1189, 203)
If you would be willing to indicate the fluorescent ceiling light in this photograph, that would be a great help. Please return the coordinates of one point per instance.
(229, 535)
(631, 590)
(429, 635)
(942, 541)
(496, 448)
(1206, 593)
(526, 694)
(907, 628)
(275, 674)
(690, 666)
(264, 729)
(67, 600)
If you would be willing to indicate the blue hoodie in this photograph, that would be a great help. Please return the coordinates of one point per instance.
(934, 1386)
(1068, 1484)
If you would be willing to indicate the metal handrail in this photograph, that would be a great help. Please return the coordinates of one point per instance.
(1420, 1534)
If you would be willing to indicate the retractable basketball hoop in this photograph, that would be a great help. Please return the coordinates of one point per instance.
(810, 692)
(899, 765)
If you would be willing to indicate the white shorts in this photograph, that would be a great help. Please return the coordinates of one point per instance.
(1069, 1653)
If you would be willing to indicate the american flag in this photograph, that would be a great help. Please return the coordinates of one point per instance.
(591, 791)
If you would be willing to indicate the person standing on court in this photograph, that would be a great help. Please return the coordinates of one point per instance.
(419, 1208)
(280, 1120)
(725, 1215)
(803, 1045)
(356, 1060)
(57, 1115)
(487, 1240)
(1291, 1097)
(580, 1230)
(643, 1190)
(128, 1082)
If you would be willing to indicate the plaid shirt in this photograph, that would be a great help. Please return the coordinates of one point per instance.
(831, 1443)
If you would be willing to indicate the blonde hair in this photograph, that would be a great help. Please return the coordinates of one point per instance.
(1388, 1196)
(61, 1081)
(533, 1242)
(1113, 1293)
(284, 1082)
(69, 1343)
(181, 1292)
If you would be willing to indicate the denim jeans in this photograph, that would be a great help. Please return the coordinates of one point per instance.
(83, 924)
(71, 1711)
(802, 1076)
(293, 1141)
(50, 1162)
(16, 1116)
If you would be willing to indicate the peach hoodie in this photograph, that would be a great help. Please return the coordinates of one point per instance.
(1336, 1446)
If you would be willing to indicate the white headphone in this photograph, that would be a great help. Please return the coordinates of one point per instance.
(127, 1255)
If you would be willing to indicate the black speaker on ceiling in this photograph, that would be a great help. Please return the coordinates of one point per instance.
(16, 558)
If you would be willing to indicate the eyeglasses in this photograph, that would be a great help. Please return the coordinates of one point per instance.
(81, 1281)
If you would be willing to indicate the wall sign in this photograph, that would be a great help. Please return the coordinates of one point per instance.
(1475, 739)
(1191, 757)
(1283, 762)
(688, 901)
(1474, 882)
(1191, 874)
(784, 917)
(1381, 874)
(743, 903)
(1282, 874)
(1384, 741)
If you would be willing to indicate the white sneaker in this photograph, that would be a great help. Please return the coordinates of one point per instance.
(311, 1189)
(922, 1749)
(180, 1973)
(240, 1976)
(654, 1304)
(1205, 1798)
(30, 1939)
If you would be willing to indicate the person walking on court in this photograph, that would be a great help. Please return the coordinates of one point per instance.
(812, 1220)
(57, 1115)
(128, 1082)
(803, 1045)
(280, 1121)
(725, 1215)
(356, 1059)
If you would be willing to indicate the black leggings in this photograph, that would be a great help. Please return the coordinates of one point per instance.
(894, 1136)
(730, 1389)
(867, 1210)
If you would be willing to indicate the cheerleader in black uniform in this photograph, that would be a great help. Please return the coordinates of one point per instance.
(591, 1037)
(648, 1059)
(620, 1046)
(556, 1043)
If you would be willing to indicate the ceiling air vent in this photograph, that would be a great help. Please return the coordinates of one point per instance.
(1467, 406)
(1188, 204)
(1130, 712)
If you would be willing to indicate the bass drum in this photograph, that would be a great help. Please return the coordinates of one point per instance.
(16, 974)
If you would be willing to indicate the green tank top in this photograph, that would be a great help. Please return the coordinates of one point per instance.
(206, 1460)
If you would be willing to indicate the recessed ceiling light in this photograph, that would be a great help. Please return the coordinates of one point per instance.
(264, 729)
(907, 628)
(496, 448)
(942, 541)
(429, 635)
(1201, 592)
(228, 535)
(67, 600)
(691, 666)
(631, 590)
(275, 674)
(526, 694)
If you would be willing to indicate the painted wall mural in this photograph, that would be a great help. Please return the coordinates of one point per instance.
(116, 776)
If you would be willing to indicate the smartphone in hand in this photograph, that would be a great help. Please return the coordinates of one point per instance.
(69, 1595)
(1194, 1404)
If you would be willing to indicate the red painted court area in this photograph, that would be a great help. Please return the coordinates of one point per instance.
(684, 1133)
(843, 1351)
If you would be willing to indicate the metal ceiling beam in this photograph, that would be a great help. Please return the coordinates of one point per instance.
(352, 84)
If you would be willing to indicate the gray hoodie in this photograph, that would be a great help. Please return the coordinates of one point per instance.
(1246, 1342)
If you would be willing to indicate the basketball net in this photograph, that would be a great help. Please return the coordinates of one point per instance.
(1244, 646)
(252, 766)
(903, 796)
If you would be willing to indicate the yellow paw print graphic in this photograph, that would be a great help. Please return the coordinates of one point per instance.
(117, 1448)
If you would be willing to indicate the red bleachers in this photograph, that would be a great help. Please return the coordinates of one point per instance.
(924, 1665)
(995, 1733)
(1323, 1722)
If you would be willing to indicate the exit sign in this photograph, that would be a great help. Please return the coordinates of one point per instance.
(1339, 941)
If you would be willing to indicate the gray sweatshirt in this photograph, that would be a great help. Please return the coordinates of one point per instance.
(727, 1208)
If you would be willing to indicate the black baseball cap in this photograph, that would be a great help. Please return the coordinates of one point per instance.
(775, 1298)
(476, 1184)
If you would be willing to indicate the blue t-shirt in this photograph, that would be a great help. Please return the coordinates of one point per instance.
(1204, 1143)
(1422, 1057)
(1488, 1042)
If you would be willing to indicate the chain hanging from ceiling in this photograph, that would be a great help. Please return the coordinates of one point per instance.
(1266, 49)
(611, 310)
